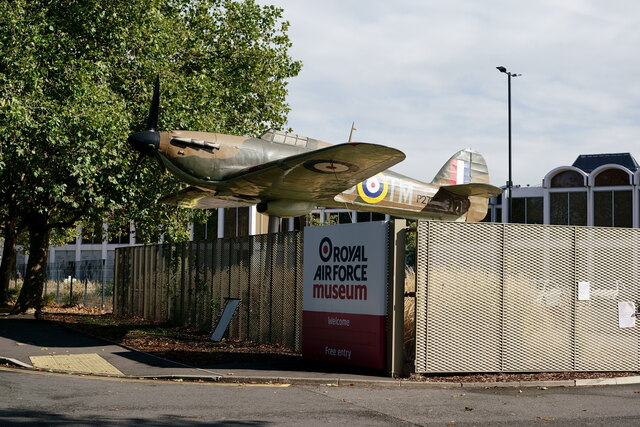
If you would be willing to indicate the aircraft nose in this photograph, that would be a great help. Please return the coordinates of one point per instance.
(145, 142)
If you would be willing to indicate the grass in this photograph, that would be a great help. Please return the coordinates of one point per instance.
(410, 315)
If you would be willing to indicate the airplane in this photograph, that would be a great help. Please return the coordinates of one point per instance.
(288, 175)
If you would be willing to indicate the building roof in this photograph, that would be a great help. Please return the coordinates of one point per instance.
(589, 162)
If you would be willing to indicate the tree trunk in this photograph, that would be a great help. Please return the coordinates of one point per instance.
(8, 257)
(31, 292)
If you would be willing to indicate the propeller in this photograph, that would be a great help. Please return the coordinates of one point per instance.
(152, 120)
(147, 142)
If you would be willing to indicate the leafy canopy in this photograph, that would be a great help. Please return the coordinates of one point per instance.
(76, 79)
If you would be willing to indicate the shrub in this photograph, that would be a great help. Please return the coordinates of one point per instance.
(13, 294)
(74, 299)
(48, 299)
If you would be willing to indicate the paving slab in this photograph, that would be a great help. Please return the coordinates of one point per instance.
(628, 380)
(596, 381)
(89, 363)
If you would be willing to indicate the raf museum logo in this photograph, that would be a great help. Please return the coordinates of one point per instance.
(325, 249)
(344, 268)
(341, 264)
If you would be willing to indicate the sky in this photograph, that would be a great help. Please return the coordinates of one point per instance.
(420, 76)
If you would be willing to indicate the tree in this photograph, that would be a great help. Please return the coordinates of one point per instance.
(10, 226)
(11, 230)
(76, 78)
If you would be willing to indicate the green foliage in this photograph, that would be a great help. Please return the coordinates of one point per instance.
(60, 236)
(103, 288)
(73, 298)
(13, 294)
(76, 78)
(215, 307)
(48, 299)
(313, 220)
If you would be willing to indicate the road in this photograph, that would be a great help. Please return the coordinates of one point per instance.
(29, 398)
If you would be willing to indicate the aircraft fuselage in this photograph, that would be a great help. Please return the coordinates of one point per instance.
(206, 160)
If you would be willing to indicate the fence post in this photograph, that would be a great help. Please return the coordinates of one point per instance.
(58, 286)
(71, 282)
(86, 285)
(116, 282)
(395, 339)
(103, 277)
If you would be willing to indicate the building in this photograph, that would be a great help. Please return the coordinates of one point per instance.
(597, 190)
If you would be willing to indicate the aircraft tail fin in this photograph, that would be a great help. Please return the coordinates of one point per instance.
(466, 174)
(465, 167)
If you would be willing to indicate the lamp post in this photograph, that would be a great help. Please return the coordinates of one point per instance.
(509, 182)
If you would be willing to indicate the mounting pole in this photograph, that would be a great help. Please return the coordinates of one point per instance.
(353, 127)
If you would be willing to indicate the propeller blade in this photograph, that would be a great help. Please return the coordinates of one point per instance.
(152, 121)
(156, 156)
(147, 142)
(135, 168)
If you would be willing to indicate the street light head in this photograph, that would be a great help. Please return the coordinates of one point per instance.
(502, 69)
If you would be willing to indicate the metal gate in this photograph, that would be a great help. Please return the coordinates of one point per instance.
(504, 298)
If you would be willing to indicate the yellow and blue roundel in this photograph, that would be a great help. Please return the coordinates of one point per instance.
(374, 189)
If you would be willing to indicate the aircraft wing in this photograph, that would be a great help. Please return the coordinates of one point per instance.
(195, 198)
(313, 175)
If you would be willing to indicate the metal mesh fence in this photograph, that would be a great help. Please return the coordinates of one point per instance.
(609, 259)
(88, 282)
(503, 297)
(187, 284)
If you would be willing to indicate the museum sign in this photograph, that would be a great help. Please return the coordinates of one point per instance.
(345, 293)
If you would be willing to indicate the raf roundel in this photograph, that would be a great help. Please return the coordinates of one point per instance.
(374, 189)
(325, 249)
(330, 166)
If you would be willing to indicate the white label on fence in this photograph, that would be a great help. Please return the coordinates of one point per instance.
(584, 291)
(626, 314)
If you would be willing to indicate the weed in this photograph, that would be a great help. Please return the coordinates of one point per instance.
(13, 294)
(48, 299)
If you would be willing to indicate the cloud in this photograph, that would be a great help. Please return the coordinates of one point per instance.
(421, 76)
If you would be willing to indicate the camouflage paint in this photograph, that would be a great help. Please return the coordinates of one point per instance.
(240, 171)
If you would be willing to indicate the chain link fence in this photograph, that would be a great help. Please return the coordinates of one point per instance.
(187, 284)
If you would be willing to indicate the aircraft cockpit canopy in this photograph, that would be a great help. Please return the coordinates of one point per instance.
(280, 137)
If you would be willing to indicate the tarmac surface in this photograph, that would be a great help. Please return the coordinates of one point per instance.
(42, 345)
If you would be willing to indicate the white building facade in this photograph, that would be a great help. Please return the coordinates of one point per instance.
(600, 190)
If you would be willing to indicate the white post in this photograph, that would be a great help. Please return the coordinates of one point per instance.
(104, 256)
(253, 217)
(220, 223)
